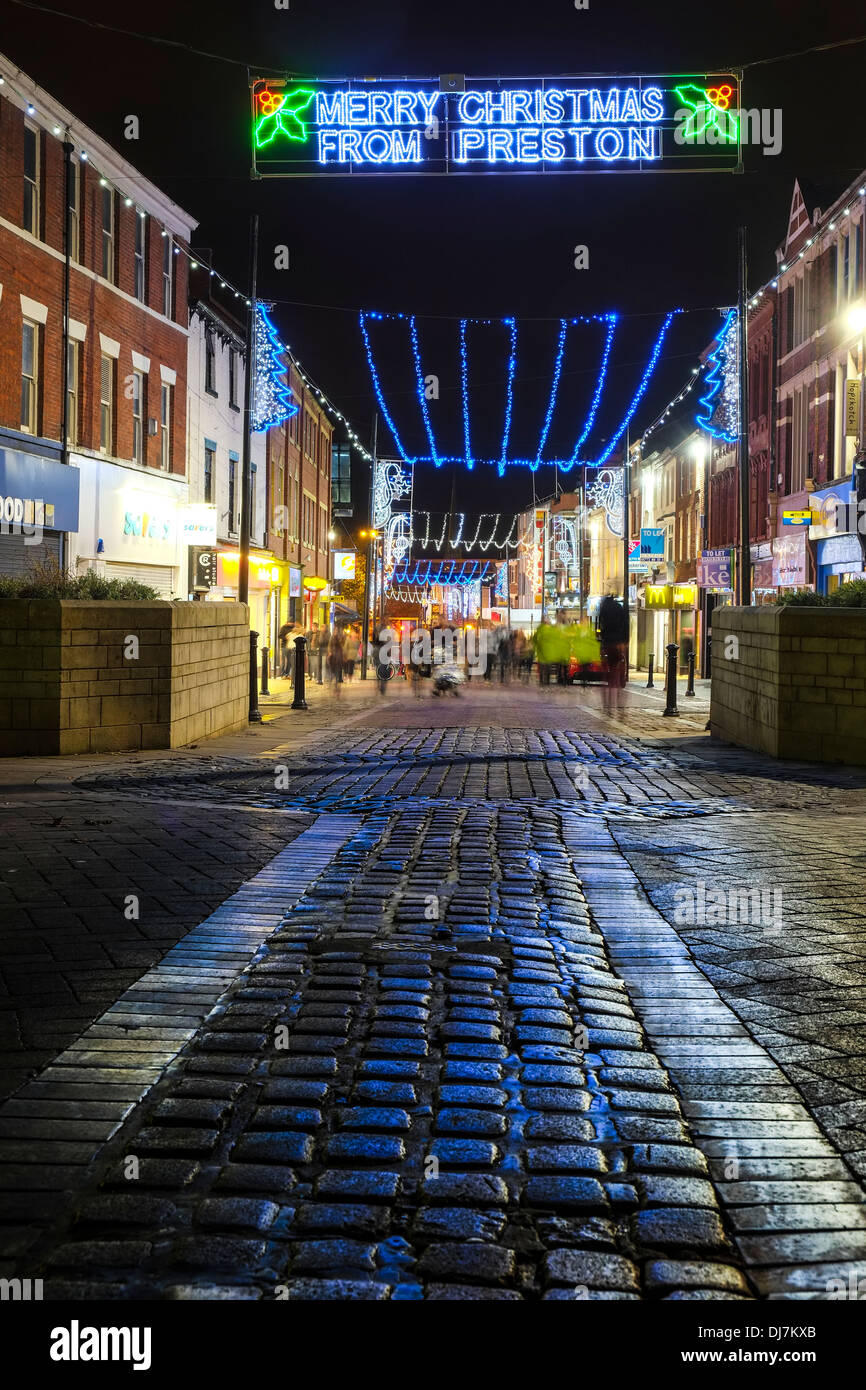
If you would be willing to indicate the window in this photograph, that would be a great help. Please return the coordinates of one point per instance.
(138, 398)
(323, 528)
(341, 476)
(209, 362)
(252, 499)
(799, 439)
(74, 209)
(30, 218)
(165, 426)
(209, 457)
(140, 257)
(108, 233)
(29, 376)
(167, 274)
(106, 404)
(845, 268)
(233, 461)
(72, 365)
(233, 379)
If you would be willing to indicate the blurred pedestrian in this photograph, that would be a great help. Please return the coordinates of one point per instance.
(286, 649)
(351, 653)
(336, 657)
(545, 645)
(613, 635)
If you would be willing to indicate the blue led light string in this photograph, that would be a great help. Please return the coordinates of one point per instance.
(377, 387)
(715, 380)
(611, 320)
(422, 396)
(464, 382)
(509, 394)
(639, 393)
(557, 372)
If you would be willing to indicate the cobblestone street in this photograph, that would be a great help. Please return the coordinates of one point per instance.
(489, 999)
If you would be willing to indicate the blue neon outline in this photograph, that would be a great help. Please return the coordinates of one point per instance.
(612, 320)
(557, 372)
(509, 395)
(639, 393)
(464, 382)
(712, 379)
(425, 414)
(377, 387)
(282, 403)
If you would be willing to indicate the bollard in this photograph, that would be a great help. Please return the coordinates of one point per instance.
(652, 659)
(690, 686)
(671, 682)
(266, 661)
(300, 675)
(255, 712)
(320, 656)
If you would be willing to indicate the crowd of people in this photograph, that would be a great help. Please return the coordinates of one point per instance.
(564, 652)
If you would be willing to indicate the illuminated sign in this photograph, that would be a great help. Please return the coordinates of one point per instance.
(798, 518)
(344, 564)
(852, 406)
(535, 125)
(198, 523)
(659, 596)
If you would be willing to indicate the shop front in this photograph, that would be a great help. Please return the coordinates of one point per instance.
(265, 577)
(838, 554)
(130, 525)
(791, 560)
(39, 507)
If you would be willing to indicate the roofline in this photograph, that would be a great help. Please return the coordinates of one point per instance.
(20, 89)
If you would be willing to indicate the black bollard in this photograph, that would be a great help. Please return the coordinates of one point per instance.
(255, 712)
(300, 674)
(320, 656)
(690, 686)
(652, 659)
(266, 661)
(671, 685)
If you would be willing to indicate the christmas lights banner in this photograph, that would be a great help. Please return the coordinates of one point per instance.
(482, 125)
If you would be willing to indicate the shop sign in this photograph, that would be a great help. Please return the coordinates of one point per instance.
(797, 518)
(344, 564)
(294, 582)
(198, 523)
(37, 492)
(652, 542)
(202, 568)
(659, 596)
(685, 596)
(714, 569)
(852, 406)
(790, 558)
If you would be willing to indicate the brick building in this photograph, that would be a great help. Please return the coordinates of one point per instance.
(299, 502)
(109, 494)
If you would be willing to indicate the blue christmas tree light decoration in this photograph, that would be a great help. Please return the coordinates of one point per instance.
(273, 402)
(721, 398)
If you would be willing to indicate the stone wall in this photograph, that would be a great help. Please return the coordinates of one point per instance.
(93, 677)
(791, 682)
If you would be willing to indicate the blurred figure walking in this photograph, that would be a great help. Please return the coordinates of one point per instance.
(336, 658)
(613, 634)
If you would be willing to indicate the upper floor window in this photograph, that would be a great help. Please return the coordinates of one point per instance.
(140, 255)
(30, 218)
(232, 518)
(167, 274)
(165, 427)
(233, 378)
(252, 500)
(74, 209)
(209, 457)
(845, 267)
(29, 377)
(138, 397)
(209, 362)
(73, 364)
(107, 233)
(106, 404)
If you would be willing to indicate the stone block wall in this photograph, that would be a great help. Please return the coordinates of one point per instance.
(791, 682)
(91, 677)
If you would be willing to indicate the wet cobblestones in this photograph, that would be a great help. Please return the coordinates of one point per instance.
(431, 1107)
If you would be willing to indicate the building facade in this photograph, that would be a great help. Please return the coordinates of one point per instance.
(93, 381)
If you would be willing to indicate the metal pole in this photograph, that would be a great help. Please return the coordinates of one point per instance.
(744, 575)
(671, 682)
(690, 687)
(649, 684)
(266, 654)
(300, 674)
(255, 712)
(67, 254)
(246, 519)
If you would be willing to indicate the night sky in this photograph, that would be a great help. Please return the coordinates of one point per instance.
(452, 247)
